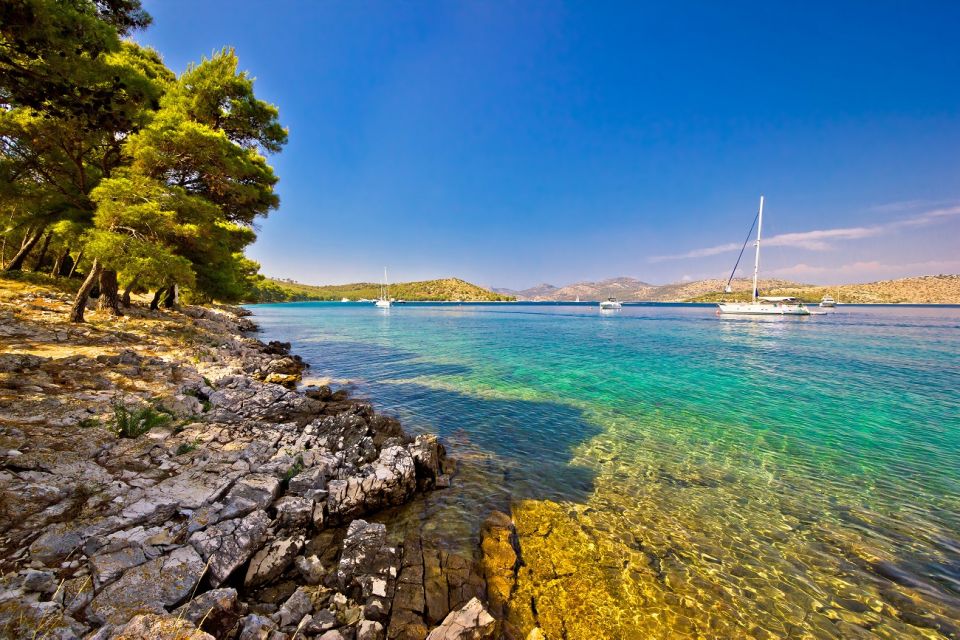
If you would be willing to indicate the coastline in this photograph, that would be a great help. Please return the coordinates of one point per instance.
(241, 510)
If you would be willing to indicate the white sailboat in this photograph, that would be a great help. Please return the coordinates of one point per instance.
(762, 305)
(383, 302)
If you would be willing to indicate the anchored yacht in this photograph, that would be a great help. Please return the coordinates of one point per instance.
(383, 302)
(761, 305)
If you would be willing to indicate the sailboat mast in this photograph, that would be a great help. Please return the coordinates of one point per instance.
(386, 285)
(756, 261)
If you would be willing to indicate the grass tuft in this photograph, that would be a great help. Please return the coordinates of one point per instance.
(133, 424)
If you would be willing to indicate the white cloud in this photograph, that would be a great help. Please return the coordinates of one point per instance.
(870, 269)
(821, 239)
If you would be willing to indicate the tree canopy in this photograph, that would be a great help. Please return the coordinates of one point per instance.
(153, 179)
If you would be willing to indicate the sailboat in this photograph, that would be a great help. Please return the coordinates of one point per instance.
(761, 305)
(383, 301)
(578, 299)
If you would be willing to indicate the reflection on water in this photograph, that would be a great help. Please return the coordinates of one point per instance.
(673, 474)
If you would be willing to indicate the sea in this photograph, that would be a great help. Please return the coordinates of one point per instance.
(674, 473)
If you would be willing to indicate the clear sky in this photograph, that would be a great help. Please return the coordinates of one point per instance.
(512, 143)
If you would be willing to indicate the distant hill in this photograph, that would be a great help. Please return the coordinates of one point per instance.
(941, 289)
(274, 290)
(622, 288)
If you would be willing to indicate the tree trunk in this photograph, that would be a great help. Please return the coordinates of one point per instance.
(126, 292)
(58, 264)
(155, 303)
(29, 243)
(76, 262)
(109, 294)
(43, 252)
(170, 300)
(80, 302)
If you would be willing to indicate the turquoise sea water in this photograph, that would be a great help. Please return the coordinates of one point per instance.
(789, 476)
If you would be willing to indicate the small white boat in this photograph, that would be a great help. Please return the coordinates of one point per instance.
(761, 305)
(827, 302)
(383, 302)
(578, 299)
(610, 304)
(344, 299)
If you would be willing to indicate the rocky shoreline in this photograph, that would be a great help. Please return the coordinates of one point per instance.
(163, 476)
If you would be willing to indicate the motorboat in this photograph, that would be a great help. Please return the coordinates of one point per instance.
(827, 302)
(610, 304)
(761, 305)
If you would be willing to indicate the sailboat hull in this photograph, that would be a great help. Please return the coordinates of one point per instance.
(755, 309)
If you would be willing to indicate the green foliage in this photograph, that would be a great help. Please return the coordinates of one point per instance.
(133, 424)
(54, 56)
(158, 178)
(294, 470)
(269, 290)
(187, 447)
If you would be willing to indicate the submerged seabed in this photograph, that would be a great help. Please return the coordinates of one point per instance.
(675, 474)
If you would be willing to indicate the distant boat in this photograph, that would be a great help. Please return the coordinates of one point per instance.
(344, 299)
(827, 301)
(399, 302)
(578, 299)
(610, 304)
(761, 305)
(383, 302)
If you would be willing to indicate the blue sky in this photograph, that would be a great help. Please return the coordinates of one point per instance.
(512, 143)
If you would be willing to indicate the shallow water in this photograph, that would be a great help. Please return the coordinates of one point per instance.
(698, 476)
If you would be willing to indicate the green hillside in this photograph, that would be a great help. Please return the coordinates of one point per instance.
(272, 290)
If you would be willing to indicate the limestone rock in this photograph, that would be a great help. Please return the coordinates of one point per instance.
(388, 481)
(311, 569)
(428, 456)
(254, 627)
(370, 630)
(216, 612)
(194, 488)
(111, 561)
(364, 539)
(229, 544)
(295, 608)
(500, 560)
(40, 581)
(472, 622)
(271, 561)
(308, 482)
(294, 512)
(260, 488)
(148, 588)
(56, 543)
(159, 627)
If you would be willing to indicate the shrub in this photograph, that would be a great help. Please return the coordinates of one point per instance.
(133, 424)
(186, 447)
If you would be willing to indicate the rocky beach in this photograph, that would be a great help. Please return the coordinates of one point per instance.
(166, 475)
